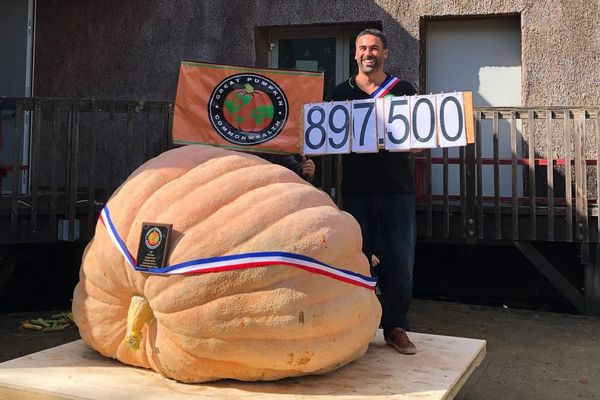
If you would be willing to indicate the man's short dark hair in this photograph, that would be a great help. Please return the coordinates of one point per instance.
(374, 32)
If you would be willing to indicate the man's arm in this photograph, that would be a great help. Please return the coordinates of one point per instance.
(304, 168)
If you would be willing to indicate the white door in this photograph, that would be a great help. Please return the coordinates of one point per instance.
(330, 50)
(482, 56)
(16, 71)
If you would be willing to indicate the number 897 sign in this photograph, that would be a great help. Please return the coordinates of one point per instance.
(392, 123)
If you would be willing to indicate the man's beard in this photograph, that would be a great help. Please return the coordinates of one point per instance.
(368, 68)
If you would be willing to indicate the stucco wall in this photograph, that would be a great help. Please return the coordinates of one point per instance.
(132, 49)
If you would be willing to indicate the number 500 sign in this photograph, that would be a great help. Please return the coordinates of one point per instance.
(392, 123)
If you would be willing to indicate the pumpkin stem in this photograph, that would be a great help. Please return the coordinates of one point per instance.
(139, 314)
(249, 88)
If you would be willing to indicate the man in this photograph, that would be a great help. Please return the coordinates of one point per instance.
(377, 189)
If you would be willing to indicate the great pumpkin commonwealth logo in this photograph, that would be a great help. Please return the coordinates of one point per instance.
(247, 109)
(153, 238)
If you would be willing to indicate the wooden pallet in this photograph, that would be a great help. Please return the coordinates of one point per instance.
(74, 371)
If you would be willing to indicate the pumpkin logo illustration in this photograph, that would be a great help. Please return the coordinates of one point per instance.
(153, 238)
(247, 109)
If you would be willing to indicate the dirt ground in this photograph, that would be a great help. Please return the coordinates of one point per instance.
(16, 342)
(530, 354)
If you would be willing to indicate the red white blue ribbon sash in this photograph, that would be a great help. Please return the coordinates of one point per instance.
(239, 261)
(385, 87)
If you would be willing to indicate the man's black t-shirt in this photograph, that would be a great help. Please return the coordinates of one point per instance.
(382, 172)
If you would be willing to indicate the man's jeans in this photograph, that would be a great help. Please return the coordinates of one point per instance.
(394, 216)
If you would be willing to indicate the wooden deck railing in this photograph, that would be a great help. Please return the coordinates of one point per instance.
(79, 151)
(532, 174)
(551, 186)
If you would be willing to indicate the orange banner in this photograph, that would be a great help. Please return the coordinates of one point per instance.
(247, 109)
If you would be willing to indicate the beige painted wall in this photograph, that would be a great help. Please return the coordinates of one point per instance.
(132, 49)
(560, 38)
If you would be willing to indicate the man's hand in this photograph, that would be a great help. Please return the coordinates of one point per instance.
(308, 167)
(375, 260)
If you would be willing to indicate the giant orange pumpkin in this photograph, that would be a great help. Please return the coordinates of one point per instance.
(259, 323)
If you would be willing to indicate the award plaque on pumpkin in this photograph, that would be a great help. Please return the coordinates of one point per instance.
(154, 244)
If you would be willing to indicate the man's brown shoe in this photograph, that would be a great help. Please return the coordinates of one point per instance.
(397, 338)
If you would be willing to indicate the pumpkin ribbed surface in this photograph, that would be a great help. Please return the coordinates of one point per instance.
(259, 323)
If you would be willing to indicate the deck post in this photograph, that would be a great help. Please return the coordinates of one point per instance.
(470, 193)
(592, 280)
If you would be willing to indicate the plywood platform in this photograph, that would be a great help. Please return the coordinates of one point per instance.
(74, 371)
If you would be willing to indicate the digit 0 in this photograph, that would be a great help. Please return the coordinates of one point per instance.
(443, 119)
(415, 127)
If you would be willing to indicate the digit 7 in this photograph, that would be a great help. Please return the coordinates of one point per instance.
(369, 106)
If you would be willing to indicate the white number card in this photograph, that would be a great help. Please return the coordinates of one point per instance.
(397, 123)
(364, 126)
(338, 128)
(451, 127)
(422, 111)
(315, 132)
